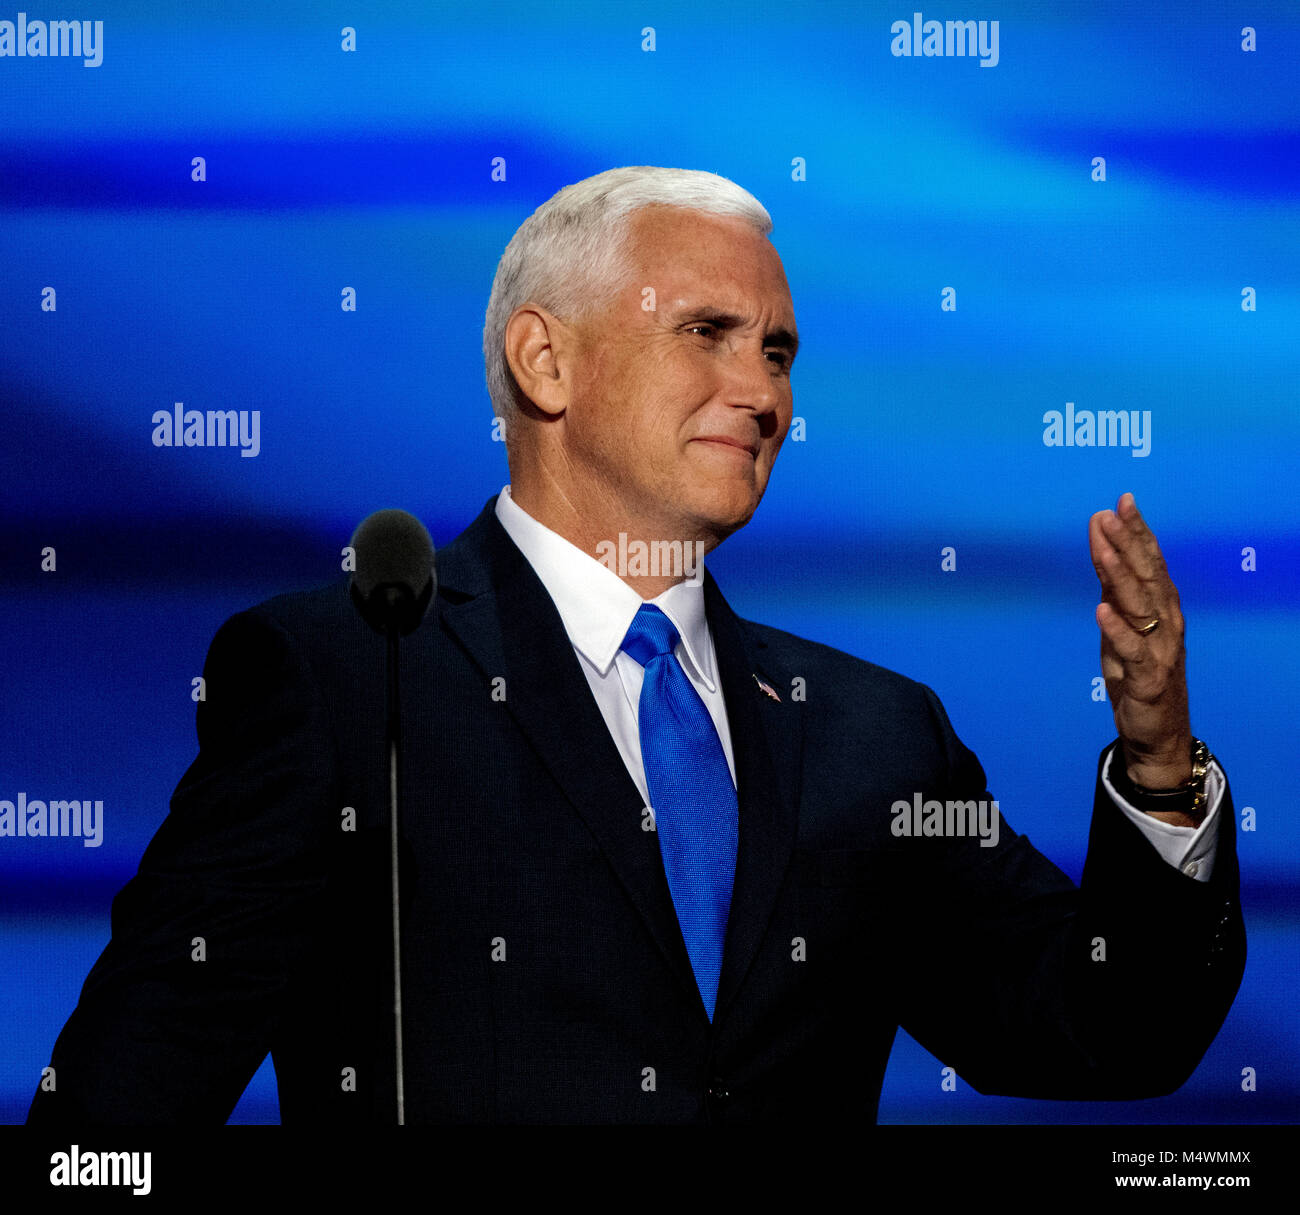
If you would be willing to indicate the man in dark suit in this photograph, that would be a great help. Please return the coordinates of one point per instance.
(659, 863)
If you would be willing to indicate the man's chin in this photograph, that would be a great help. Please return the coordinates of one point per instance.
(722, 514)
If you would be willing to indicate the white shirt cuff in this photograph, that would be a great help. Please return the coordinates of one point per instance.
(1191, 850)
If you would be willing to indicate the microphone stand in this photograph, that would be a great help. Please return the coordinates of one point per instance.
(394, 735)
(392, 585)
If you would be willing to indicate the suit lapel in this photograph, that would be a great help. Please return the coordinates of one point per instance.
(494, 605)
(767, 742)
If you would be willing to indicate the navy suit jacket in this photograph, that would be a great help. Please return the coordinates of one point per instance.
(545, 977)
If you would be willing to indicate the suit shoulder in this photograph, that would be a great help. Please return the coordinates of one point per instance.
(313, 622)
(303, 611)
(799, 655)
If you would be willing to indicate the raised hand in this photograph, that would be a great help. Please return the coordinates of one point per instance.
(1142, 655)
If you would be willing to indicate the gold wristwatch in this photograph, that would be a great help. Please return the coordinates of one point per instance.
(1194, 785)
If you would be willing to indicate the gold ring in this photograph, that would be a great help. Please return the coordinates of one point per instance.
(1150, 627)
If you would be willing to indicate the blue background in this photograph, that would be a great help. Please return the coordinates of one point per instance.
(371, 170)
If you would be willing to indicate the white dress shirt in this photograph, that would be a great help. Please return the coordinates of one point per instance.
(597, 608)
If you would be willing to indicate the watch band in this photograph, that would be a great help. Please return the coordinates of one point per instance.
(1188, 798)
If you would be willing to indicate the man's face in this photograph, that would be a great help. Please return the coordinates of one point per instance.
(678, 412)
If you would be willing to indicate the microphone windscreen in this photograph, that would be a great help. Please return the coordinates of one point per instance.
(394, 578)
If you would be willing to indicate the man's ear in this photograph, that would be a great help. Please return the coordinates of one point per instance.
(539, 349)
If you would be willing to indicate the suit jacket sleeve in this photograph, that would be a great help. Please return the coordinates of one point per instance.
(159, 1036)
(1029, 986)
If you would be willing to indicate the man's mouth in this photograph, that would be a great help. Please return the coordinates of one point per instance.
(750, 449)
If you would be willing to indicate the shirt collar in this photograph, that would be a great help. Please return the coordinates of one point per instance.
(596, 606)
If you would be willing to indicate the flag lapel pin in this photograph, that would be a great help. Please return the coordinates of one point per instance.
(767, 689)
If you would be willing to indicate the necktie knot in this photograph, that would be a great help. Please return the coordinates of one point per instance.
(650, 635)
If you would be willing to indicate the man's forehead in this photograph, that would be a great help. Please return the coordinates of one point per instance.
(681, 238)
(699, 260)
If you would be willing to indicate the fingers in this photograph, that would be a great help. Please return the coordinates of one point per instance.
(1122, 643)
(1128, 532)
(1124, 591)
(1121, 585)
(1127, 660)
(1130, 566)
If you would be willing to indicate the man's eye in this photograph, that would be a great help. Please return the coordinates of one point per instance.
(710, 330)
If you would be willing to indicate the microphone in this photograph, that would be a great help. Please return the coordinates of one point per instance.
(394, 580)
(392, 586)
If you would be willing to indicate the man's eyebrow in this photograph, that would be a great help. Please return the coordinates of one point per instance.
(781, 338)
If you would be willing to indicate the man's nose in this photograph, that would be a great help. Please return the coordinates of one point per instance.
(752, 380)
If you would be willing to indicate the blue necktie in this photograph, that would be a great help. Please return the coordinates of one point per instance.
(691, 794)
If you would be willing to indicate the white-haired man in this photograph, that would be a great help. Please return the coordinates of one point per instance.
(646, 882)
